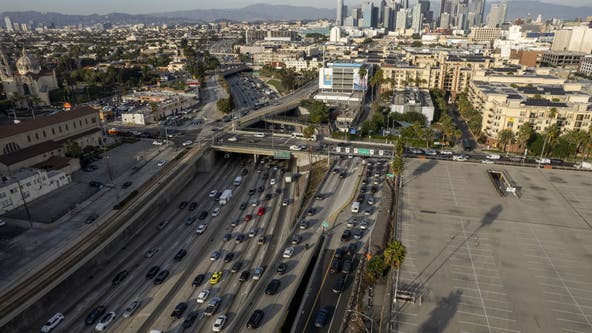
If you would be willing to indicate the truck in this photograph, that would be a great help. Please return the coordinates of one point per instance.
(213, 305)
(584, 165)
(225, 197)
(288, 178)
(238, 180)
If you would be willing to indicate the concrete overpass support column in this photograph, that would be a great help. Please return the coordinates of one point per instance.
(254, 158)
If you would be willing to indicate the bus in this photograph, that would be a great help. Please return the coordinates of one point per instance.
(299, 135)
(467, 145)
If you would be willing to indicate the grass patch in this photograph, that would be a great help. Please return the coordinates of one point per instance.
(317, 173)
(277, 84)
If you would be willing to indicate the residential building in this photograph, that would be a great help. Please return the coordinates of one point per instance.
(413, 99)
(485, 34)
(586, 65)
(33, 141)
(8, 24)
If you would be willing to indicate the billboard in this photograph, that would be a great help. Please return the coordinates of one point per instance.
(360, 83)
(325, 78)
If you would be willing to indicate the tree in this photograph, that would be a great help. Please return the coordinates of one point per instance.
(398, 165)
(72, 149)
(376, 80)
(427, 134)
(308, 131)
(505, 136)
(319, 112)
(577, 138)
(375, 268)
(362, 72)
(394, 254)
(524, 134)
(224, 105)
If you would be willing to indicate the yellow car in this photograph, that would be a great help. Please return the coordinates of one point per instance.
(215, 278)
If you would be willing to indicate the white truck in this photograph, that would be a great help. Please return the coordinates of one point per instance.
(238, 180)
(225, 197)
(288, 178)
(584, 165)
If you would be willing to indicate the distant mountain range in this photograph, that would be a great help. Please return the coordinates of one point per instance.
(266, 12)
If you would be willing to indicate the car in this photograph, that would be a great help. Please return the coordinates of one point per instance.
(192, 206)
(351, 249)
(215, 256)
(288, 252)
(267, 196)
(94, 315)
(126, 184)
(163, 224)
(215, 211)
(54, 321)
(342, 175)
(295, 148)
(232, 139)
(346, 235)
(187, 143)
(248, 217)
(216, 276)
(243, 206)
(460, 158)
(311, 211)
(152, 272)
(487, 162)
(272, 287)
(364, 225)
(219, 323)
(336, 171)
(161, 163)
(368, 211)
(339, 253)
(347, 266)
(229, 256)
(339, 285)
(119, 277)
(161, 277)
(261, 211)
(296, 239)
(239, 238)
(202, 215)
(244, 276)
(203, 296)
(446, 152)
(493, 156)
(351, 222)
(282, 268)
(252, 191)
(260, 189)
(180, 254)
(320, 196)
(303, 224)
(227, 237)
(190, 219)
(358, 233)
(335, 266)
(265, 176)
(374, 189)
(105, 321)
(430, 152)
(129, 311)
(178, 311)
(258, 273)
(272, 181)
(89, 219)
(212, 194)
(371, 201)
(96, 184)
(190, 319)
(236, 267)
(199, 278)
(201, 228)
(255, 319)
(322, 317)
(157, 143)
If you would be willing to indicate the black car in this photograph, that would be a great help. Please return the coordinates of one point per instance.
(296, 239)
(203, 214)
(346, 235)
(161, 277)
(244, 276)
(255, 319)
(374, 189)
(336, 171)
(358, 233)
(152, 272)
(339, 253)
(265, 176)
(320, 196)
(183, 204)
(342, 175)
(339, 285)
(227, 237)
(96, 184)
(119, 277)
(260, 189)
(234, 223)
(180, 254)
(282, 268)
(267, 196)
(192, 206)
(243, 206)
(363, 190)
(347, 266)
(252, 191)
(244, 172)
(322, 317)
(126, 184)
(351, 249)
(178, 311)
(199, 278)
(336, 266)
(236, 267)
(311, 211)
(239, 238)
(272, 287)
(94, 315)
(228, 257)
(190, 319)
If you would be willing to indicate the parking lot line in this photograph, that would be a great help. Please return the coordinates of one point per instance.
(572, 321)
(490, 327)
(568, 312)
(486, 291)
(570, 330)
(490, 316)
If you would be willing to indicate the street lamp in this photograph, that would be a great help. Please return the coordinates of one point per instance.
(365, 316)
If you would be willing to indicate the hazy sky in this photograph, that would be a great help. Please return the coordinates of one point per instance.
(148, 6)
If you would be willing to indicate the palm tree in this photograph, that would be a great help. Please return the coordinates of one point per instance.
(524, 134)
(398, 165)
(428, 135)
(376, 80)
(505, 136)
(394, 254)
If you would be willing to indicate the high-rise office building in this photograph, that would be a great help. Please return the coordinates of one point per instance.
(401, 23)
(425, 11)
(388, 21)
(368, 14)
(381, 9)
(417, 18)
(497, 15)
(478, 7)
(8, 23)
(445, 21)
(339, 17)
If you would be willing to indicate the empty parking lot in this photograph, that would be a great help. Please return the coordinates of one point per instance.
(486, 263)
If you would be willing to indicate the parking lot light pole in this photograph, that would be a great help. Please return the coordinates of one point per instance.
(365, 316)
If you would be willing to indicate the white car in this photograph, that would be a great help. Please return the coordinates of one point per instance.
(364, 225)
(460, 158)
(445, 152)
(295, 147)
(216, 211)
(272, 181)
(129, 311)
(161, 163)
(219, 323)
(203, 296)
(288, 252)
(212, 193)
(187, 143)
(54, 321)
(430, 152)
(157, 143)
(232, 139)
(105, 321)
(487, 161)
(258, 273)
(201, 229)
(493, 156)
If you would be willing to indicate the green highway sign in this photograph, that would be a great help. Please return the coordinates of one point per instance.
(281, 155)
(325, 224)
(363, 151)
(390, 175)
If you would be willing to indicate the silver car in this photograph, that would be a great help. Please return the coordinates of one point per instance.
(129, 311)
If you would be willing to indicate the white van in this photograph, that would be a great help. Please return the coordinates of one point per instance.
(355, 207)
(259, 135)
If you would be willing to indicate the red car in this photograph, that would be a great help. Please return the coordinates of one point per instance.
(261, 211)
(248, 217)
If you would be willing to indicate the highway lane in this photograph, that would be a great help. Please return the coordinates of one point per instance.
(275, 306)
